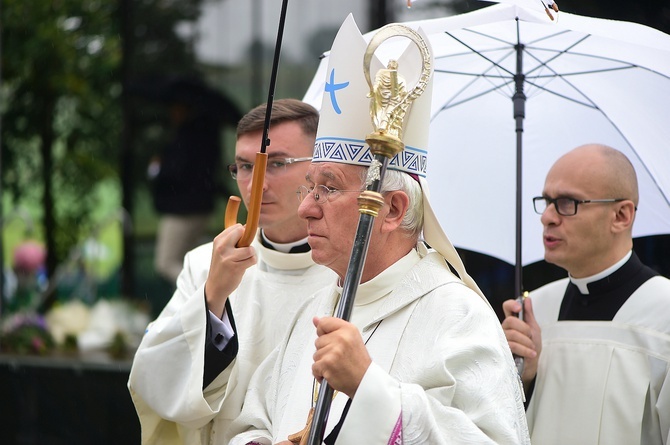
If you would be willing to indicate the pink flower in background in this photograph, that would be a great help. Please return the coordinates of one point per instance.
(38, 345)
(29, 256)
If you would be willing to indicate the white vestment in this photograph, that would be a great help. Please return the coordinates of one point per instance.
(603, 382)
(167, 374)
(442, 372)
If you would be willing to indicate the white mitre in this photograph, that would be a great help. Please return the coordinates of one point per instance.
(345, 117)
(345, 120)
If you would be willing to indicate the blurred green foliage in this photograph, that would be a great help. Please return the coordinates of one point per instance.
(60, 99)
(60, 119)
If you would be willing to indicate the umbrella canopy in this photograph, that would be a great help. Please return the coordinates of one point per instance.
(513, 91)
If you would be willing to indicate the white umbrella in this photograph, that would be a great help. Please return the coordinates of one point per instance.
(578, 80)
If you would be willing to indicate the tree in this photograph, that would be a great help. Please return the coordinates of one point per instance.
(59, 134)
(63, 66)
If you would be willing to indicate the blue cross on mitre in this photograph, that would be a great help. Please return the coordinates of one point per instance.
(332, 87)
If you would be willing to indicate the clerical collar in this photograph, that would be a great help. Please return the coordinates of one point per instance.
(582, 283)
(299, 246)
(385, 282)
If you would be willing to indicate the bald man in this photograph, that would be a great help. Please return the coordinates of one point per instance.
(596, 344)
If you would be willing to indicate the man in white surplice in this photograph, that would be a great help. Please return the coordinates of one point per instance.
(596, 344)
(423, 359)
(191, 370)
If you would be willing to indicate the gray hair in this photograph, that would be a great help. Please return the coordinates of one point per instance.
(412, 222)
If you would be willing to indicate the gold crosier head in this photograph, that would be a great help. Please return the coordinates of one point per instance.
(390, 102)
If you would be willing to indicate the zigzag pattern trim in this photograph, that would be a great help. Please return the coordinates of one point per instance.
(350, 151)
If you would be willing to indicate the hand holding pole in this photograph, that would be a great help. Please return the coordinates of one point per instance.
(518, 360)
(390, 103)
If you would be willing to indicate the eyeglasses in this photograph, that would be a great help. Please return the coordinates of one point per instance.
(321, 193)
(565, 206)
(275, 167)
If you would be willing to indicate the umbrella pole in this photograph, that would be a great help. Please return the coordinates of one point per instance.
(519, 100)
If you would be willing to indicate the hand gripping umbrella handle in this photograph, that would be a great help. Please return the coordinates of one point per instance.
(518, 360)
(254, 211)
(258, 179)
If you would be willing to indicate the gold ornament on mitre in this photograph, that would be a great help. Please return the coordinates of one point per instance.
(390, 99)
(389, 105)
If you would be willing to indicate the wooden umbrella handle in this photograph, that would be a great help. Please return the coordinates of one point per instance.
(254, 211)
(232, 208)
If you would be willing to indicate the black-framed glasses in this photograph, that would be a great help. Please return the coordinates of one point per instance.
(321, 193)
(565, 206)
(276, 166)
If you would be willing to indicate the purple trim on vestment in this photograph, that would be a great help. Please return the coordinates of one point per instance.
(396, 435)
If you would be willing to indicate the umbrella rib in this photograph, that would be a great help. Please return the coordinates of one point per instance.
(556, 56)
(617, 129)
(582, 73)
(644, 165)
(566, 85)
(491, 61)
(567, 50)
(494, 65)
(594, 106)
(484, 74)
(549, 36)
(628, 66)
(464, 73)
(481, 34)
(586, 103)
(451, 104)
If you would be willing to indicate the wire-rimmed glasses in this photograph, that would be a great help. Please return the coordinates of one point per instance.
(565, 206)
(321, 193)
(275, 167)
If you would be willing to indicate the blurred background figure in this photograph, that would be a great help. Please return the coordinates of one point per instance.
(185, 176)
